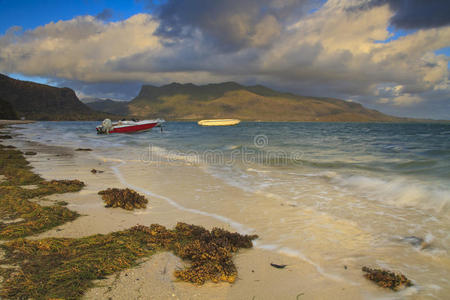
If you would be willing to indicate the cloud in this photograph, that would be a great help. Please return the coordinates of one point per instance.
(79, 49)
(414, 14)
(105, 14)
(228, 24)
(333, 51)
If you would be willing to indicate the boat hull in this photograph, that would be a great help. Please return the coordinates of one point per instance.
(133, 128)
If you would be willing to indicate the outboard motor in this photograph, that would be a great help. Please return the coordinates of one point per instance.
(105, 128)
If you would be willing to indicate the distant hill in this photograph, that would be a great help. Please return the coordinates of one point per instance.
(252, 103)
(6, 111)
(107, 105)
(42, 102)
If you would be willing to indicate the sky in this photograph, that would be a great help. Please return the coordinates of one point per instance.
(389, 55)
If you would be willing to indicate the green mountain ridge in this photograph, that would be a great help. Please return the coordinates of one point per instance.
(177, 101)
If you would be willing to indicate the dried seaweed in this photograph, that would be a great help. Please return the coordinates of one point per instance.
(14, 200)
(210, 252)
(124, 198)
(387, 279)
(65, 268)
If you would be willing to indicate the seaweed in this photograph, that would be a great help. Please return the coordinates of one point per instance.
(124, 198)
(15, 168)
(83, 149)
(19, 216)
(4, 137)
(386, 278)
(210, 252)
(65, 268)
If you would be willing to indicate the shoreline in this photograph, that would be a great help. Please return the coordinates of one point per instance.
(14, 122)
(154, 277)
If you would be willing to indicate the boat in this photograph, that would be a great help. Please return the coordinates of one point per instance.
(219, 122)
(125, 126)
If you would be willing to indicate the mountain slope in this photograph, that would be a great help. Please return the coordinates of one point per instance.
(232, 100)
(6, 111)
(107, 105)
(42, 102)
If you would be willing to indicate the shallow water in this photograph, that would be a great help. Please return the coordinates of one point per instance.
(331, 194)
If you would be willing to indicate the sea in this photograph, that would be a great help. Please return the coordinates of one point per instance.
(335, 195)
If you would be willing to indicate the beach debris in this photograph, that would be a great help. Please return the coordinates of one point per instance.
(5, 137)
(30, 153)
(94, 171)
(278, 266)
(124, 198)
(418, 242)
(83, 149)
(67, 267)
(386, 278)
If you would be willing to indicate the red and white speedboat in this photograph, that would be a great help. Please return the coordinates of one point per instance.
(127, 126)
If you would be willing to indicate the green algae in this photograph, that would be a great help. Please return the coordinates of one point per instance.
(66, 268)
(15, 201)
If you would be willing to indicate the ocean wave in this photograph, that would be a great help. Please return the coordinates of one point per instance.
(400, 192)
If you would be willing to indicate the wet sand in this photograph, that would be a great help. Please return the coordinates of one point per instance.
(153, 279)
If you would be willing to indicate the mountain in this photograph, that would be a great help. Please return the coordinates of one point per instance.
(6, 111)
(107, 105)
(42, 102)
(177, 101)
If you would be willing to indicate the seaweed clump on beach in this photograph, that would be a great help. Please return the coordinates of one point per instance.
(65, 268)
(124, 198)
(20, 217)
(387, 279)
(210, 252)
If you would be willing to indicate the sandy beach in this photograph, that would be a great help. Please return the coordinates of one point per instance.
(173, 198)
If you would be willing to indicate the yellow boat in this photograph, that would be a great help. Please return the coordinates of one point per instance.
(219, 122)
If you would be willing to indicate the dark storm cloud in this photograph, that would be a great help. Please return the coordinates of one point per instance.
(230, 24)
(105, 14)
(414, 14)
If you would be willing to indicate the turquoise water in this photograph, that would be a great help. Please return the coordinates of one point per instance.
(383, 160)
